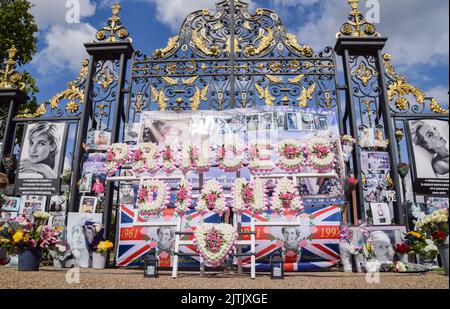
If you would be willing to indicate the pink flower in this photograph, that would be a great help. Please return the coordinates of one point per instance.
(221, 152)
(167, 153)
(138, 155)
(164, 255)
(303, 243)
(142, 194)
(153, 244)
(182, 194)
(32, 243)
(143, 231)
(290, 254)
(304, 215)
(313, 229)
(110, 155)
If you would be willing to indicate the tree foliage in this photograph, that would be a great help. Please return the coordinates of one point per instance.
(18, 28)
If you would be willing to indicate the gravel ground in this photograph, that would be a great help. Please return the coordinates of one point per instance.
(49, 277)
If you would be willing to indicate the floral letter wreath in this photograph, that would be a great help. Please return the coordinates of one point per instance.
(194, 157)
(286, 196)
(259, 157)
(249, 195)
(117, 155)
(168, 153)
(215, 242)
(292, 155)
(146, 158)
(148, 203)
(230, 156)
(212, 198)
(321, 156)
(183, 198)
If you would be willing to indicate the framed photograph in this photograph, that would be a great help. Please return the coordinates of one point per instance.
(266, 122)
(126, 194)
(86, 183)
(292, 122)
(6, 215)
(102, 140)
(252, 123)
(41, 159)
(429, 144)
(132, 131)
(281, 121)
(78, 237)
(88, 204)
(57, 222)
(381, 214)
(435, 203)
(155, 129)
(320, 122)
(11, 204)
(95, 163)
(366, 137)
(57, 205)
(307, 121)
(30, 204)
(379, 139)
(375, 161)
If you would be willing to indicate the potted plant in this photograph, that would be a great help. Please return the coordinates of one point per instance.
(435, 226)
(27, 238)
(99, 254)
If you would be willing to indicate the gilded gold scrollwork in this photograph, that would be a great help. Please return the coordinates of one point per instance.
(9, 78)
(114, 31)
(364, 74)
(172, 44)
(306, 95)
(199, 40)
(265, 38)
(305, 50)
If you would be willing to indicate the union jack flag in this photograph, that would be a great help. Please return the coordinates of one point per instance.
(135, 241)
(318, 243)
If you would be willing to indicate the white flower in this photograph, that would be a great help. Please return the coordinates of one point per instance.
(41, 215)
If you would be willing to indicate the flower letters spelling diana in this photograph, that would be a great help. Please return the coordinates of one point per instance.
(212, 198)
(146, 158)
(169, 158)
(194, 157)
(249, 195)
(291, 155)
(286, 196)
(154, 196)
(117, 155)
(321, 156)
(183, 198)
(259, 160)
(230, 156)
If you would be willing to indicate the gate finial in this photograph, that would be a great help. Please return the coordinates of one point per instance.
(117, 32)
(9, 77)
(357, 26)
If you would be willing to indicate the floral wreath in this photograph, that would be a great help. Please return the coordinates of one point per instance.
(321, 155)
(286, 196)
(259, 157)
(183, 199)
(291, 155)
(249, 195)
(211, 197)
(169, 158)
(193, 158)
(215, 242)
(146, 158)
(148, 204)
(225, 162)
(117, 155)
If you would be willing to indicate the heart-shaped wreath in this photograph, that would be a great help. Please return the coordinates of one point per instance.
(215, 242)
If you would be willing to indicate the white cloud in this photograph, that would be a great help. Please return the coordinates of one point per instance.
(415, 29)
(64, 49)
(51, 12)
(440, 93)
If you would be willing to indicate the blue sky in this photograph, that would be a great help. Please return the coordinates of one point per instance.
(417, 30)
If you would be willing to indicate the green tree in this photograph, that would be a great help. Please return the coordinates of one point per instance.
(17, 27)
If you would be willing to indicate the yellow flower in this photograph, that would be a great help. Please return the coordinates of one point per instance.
(104, 246)
(17, 237)
(4, 240)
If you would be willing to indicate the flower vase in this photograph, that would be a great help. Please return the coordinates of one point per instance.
(3, 256)
(98, 260)
(360, 262)
(29, 259)
(372, 266)
(443, 251)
